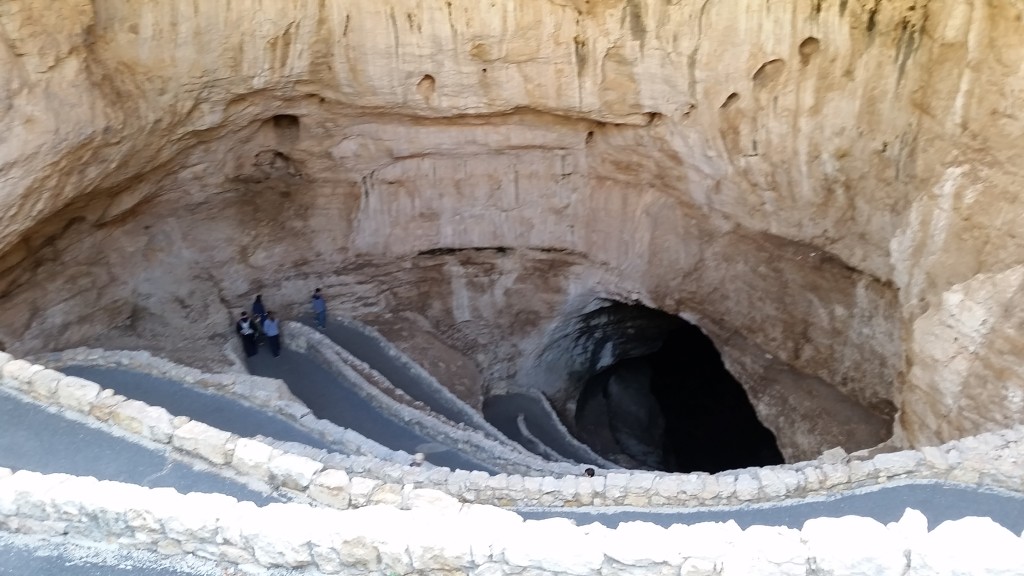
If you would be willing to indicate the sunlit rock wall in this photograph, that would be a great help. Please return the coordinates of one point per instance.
(836, 181)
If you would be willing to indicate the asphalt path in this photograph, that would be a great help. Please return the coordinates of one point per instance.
(181, 400)
(36, 439)
(938, 502)
(503, 412)
(332, 398)
(378, 356)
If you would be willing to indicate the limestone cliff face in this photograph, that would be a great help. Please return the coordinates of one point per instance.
(836, 180)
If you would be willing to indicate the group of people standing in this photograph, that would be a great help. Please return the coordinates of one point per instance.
(263, 324)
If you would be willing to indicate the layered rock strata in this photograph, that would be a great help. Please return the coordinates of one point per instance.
(832, 184)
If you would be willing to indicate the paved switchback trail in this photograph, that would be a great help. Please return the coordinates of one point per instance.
(939, 502)
(501, 412)
(379, 357)
(207, 407)
(332, 398)
(39, 440)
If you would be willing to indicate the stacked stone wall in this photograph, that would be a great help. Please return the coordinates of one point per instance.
(482, 446)
(474, 418)
(417, 372)
(372, 515)
(266, 394)
(340, 480)
(431, 533)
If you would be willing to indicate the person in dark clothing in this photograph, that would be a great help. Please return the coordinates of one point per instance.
(273, 332)
(259, 311)
(246, 329)
(319, 309)
(259, 314)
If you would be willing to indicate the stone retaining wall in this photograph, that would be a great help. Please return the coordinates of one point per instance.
(477, 420)
(430, 533)
(545, 405)
(472, 417)
(268, 394)
(503, 455)
(991, 459)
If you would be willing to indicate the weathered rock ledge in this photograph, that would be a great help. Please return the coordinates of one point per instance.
(835, 181)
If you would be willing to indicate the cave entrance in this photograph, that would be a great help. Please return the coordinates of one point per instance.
(668, 402)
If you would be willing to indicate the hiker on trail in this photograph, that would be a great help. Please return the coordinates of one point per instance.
(259, 311)
(319, 309)
(246, 328)
(259, 314)
(273, 332)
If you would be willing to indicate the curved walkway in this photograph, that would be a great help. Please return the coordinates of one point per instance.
(331, 398)
(182, 400)
(504, 411)
(938, 502)
(385, 360)
(42, 441)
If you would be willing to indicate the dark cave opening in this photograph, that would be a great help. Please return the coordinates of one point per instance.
(673, 407)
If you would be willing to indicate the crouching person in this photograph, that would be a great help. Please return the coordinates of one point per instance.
(272, 330)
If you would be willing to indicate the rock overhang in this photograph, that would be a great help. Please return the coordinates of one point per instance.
(600, 132)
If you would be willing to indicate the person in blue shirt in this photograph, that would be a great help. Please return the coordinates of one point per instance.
(319, 309)
(273, 333)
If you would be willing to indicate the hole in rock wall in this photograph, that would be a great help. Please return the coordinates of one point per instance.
(808, 48)
(769, 72)
(286, 127)
(662, 398)
(426, 87)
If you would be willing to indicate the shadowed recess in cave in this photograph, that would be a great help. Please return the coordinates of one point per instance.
(676, 408)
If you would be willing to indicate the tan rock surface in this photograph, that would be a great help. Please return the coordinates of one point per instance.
(967, 352)
(838, 181)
